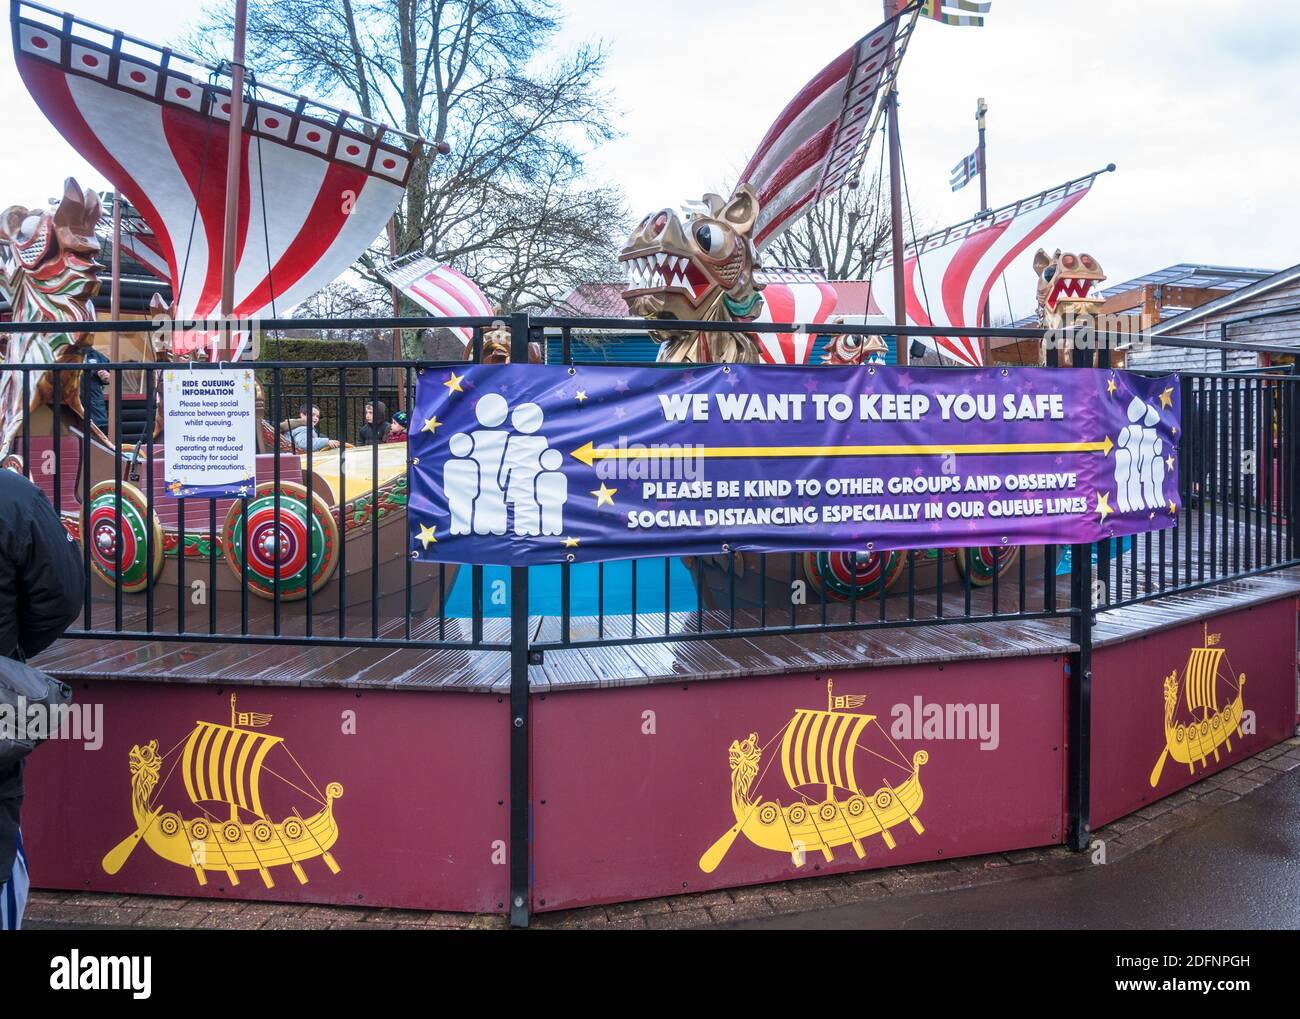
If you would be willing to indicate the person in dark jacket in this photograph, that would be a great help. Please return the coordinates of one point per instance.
(41, 585)
(375, 430)
(92, 390)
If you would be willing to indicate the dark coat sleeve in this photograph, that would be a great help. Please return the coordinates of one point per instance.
(47, 574)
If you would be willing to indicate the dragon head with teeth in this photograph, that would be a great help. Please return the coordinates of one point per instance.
(47, 274)
(1066, 285)
(699, 266)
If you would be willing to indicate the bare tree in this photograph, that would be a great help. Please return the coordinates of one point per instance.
(510, 205)
(842, 235)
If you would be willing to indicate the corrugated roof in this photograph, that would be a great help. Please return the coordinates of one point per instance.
(1229, 300)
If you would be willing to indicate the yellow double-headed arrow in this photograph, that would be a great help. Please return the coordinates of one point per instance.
(589, 454)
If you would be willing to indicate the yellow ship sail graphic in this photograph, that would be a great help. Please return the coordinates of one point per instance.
(826, 767)
(222, 768)
(1205, 726)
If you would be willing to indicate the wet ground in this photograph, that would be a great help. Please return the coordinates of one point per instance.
(1239, 868)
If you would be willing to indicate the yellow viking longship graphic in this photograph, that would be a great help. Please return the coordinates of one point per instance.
(826, 766)
(222, 768)
(1204, 726)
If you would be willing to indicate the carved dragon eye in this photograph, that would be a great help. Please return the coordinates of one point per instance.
(852, 341)
(1048, 273)
(712, 239)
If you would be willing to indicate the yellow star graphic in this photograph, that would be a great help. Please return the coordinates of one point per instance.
(1103, 506)
(1110, 386)
(570, 542)
(425, 537)
(1167, 397)
(432, 425)
(604, 494)
(453, 383)
(582, 395)
(1173, 510)
(1170, 461)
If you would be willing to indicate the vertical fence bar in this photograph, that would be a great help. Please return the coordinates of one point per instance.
(55, 442)
(278, 509)
(309, 479)
(149, 417)
(1080, 699)
(375, 438)
(85, 510)
(117, 502)
(1291, 434)
(27, 431)
(213, 544)
(520, 799)
(342, 502)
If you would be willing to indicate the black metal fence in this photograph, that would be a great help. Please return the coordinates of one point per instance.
(216, 570)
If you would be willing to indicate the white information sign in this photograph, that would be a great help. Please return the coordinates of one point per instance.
(209, 432)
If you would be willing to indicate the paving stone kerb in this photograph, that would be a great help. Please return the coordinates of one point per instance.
(1122, 838)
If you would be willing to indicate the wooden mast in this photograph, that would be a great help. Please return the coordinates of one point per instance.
(896, 204)
(233, 151)
(982, 108)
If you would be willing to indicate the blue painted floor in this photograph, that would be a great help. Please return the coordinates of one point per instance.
(585, 593)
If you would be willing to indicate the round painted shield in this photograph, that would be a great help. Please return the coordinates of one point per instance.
(981, 563)
(303, 550)
(122, 539)
(840, 574)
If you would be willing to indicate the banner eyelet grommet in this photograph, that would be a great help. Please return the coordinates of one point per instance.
(871, 371)
(726, 547)
(415, 553)
(572, 370)
(415, 461)
(1005, 372)
(726, 369)
(568, 557)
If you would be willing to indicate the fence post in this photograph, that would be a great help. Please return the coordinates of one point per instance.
(1290, 443)
(520, 793)
(1079, 692)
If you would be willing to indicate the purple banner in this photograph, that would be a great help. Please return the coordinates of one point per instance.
(527, 464)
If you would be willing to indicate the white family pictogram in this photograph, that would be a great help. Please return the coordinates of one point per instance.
(494, 470)
(1139, 461)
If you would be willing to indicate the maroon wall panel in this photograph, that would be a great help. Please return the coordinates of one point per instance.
(623, 813)
(1129, 707)
(422, 820)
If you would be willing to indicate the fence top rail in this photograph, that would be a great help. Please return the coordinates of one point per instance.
(1095, 337)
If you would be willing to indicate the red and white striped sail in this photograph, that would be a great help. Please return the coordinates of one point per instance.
(792, 295)
(439, 289)
(949, 274)
(317, 186)
(819, 141)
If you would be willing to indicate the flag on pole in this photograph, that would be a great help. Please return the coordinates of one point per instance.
(964, 171)
(955, 12)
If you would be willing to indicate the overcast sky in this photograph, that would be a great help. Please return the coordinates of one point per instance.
(1194, 101)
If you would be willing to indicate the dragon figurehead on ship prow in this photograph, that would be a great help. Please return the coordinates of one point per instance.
(697, 266)
(1066, 285)
(49, 275)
